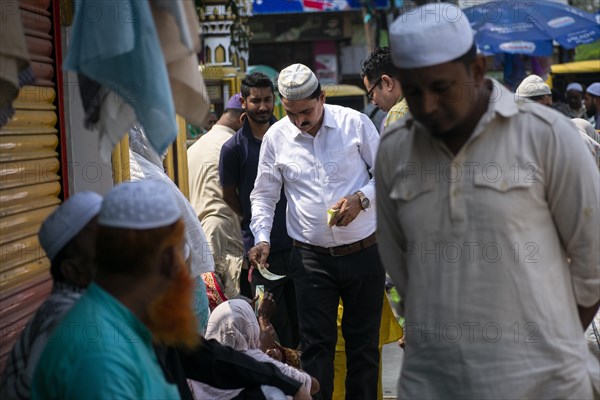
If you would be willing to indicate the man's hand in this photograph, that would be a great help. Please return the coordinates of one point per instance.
(258, 254)
(349, 207)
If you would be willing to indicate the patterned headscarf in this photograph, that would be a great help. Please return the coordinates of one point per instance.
(234, 324)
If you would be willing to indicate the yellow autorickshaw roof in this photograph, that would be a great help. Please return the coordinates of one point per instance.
(338, 90)
(575, 67)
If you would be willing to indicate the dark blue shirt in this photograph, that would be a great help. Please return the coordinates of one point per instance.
(238, 167)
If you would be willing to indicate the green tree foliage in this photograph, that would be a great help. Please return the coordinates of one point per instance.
(589, 51)
(590, 6)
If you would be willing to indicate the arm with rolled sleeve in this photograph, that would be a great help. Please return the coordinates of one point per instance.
(368, 152)
(390, 236)
(266, 192)
(573, 193)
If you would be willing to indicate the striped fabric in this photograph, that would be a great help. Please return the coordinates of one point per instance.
(26, 77)
(23, 358)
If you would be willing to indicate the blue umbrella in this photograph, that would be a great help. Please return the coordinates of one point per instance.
(530, 26)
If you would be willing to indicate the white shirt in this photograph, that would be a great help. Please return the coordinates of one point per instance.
(316, 172)
(478, 243)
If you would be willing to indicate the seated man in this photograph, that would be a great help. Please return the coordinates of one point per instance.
(67, 236)
(142, 293)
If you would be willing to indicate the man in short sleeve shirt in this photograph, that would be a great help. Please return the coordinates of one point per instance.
(103, 348)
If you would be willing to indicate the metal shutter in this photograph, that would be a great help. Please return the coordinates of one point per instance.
(29, 179)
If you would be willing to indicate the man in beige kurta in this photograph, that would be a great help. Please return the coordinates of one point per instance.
(487, 221)
(221, 225)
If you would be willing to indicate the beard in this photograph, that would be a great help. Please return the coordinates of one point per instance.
(171, 317)
(262, 118)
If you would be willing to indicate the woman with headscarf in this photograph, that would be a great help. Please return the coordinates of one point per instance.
(234, 324)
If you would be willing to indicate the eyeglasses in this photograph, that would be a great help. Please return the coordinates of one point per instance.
(370, 92)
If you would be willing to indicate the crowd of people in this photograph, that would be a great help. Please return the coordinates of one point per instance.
(481, 206)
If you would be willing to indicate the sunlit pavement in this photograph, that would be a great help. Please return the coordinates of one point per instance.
(392, 360)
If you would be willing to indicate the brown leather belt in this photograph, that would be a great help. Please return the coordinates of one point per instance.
(343, 250)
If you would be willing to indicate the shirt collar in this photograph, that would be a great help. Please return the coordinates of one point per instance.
(328, 120)
(222, 128)
(502, 104)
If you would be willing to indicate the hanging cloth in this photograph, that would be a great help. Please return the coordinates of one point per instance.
(119, 49)
(179, 35)
(15, 69)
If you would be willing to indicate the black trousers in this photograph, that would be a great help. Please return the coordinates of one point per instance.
(285, 318)
(321, 280)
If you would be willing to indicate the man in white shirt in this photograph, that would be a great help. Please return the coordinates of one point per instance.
(488, 215)
(323, 156)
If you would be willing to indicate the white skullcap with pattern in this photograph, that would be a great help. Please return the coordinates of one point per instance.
(533, 86)
(145, 204)
(297, 82)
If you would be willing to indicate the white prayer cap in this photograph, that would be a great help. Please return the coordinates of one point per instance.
(67, 221)
(594, 89)
(297, 82)
(145, 204)
(431, 34)
(575, 86)
(533, 86)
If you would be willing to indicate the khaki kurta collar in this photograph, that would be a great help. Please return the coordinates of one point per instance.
(222, 128)
(501, 104)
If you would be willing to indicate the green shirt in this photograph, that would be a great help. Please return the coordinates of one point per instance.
(396, 112)
(100, 350)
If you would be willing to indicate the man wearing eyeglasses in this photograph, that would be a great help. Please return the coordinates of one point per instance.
(380, 78)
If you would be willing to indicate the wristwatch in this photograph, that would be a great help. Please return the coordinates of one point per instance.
(364, 200)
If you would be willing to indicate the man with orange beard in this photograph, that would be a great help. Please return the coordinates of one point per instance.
(142, 293)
